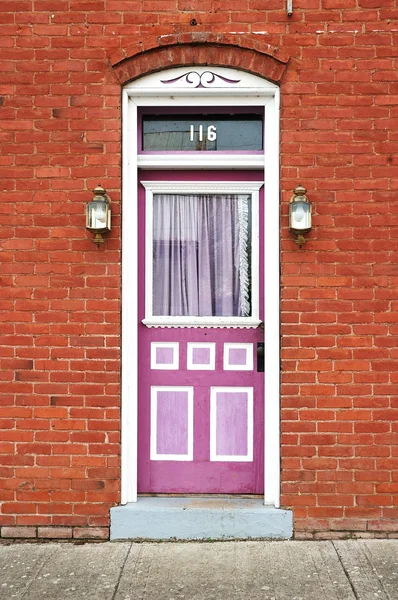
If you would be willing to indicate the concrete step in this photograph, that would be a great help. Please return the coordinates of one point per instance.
(199, 518)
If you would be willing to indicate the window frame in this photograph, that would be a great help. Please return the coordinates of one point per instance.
(150, 92)
(251, 188)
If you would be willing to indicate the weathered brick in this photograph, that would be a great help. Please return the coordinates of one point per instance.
(54, 532)
(18, 532)
(97, 533)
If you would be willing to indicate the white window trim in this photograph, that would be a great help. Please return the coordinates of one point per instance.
(149, 91)
(201, 187)
(201, 160)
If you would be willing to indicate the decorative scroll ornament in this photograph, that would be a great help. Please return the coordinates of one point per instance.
(193, 79)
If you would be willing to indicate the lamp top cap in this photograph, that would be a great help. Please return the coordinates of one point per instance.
(99, 190)
(299, 190)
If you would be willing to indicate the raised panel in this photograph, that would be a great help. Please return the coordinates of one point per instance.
(238, 357)
(171, 423)
(201, 356)
(165, 355)
(231, 424)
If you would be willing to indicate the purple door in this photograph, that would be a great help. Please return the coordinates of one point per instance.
(201, 389)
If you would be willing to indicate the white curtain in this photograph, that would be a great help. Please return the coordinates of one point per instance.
(201, 255)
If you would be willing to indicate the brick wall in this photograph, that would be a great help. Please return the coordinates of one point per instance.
(60, 130)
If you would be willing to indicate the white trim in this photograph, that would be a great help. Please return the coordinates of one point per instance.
(146, 92)
(248, 366)
(210, 366)
(272, 307)
(148, 249)
(201, 160)
(129, 409)
(159, 82)
(154, 429)
(214, 457)
(201, 187)
(200, 322)
(154, 97)
(174, 365)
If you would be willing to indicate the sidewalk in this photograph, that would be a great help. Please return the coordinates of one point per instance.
(286, 570)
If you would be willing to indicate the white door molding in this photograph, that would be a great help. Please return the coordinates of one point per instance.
(200, 87)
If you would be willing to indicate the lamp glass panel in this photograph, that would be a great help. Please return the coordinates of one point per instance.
(97, 216)
(300, 216)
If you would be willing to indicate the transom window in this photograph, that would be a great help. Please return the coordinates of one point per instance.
(218, 132)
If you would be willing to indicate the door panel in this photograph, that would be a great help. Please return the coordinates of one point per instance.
(201, 399)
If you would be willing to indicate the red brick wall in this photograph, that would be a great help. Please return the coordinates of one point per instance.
(60, 131)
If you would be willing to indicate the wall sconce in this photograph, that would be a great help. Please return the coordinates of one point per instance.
(300, 210)
(98, 214)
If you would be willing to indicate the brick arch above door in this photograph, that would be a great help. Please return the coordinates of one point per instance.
(243, 52)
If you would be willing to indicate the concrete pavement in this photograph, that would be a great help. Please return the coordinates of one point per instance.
(285, 570)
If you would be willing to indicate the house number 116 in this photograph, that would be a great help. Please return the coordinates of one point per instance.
(211, 134)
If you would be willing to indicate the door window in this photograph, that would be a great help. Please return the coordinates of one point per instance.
(201, 255)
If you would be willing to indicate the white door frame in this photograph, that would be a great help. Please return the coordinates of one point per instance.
(200, 87)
